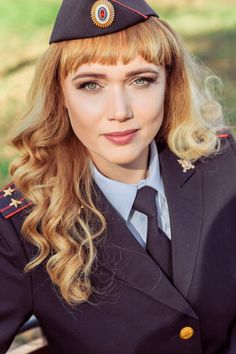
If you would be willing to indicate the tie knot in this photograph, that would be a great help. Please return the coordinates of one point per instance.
(145, 201)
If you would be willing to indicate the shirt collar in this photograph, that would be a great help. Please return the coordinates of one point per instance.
(122, 195)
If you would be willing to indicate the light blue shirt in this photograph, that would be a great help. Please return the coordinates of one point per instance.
(122, 196)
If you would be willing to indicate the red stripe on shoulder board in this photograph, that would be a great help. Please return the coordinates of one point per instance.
(17, 210)
(223, 135)
(9, 206)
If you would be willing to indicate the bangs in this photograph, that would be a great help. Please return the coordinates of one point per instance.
(148, 39)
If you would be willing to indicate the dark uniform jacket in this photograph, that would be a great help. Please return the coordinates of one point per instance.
(138, 310)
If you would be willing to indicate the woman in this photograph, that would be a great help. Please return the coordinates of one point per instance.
(120, 118)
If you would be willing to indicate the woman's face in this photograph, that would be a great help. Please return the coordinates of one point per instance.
(104, 101)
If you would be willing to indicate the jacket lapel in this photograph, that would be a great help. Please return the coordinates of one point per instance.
(121, 254)
(185, 202)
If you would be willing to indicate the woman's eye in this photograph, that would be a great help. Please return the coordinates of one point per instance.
(143, 80)
(90, 86)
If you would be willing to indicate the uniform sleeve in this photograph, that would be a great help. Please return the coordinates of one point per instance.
(15, 285)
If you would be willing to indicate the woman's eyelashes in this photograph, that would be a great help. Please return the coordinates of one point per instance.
(94, 85)
(142, 81)
(88, 85)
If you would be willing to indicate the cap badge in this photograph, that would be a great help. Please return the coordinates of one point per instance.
(103, 13)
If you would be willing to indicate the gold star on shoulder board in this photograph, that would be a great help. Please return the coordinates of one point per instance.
(15, 203)
(8, 191)
(186, 165)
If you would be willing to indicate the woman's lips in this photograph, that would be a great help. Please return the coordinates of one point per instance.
(121, 138)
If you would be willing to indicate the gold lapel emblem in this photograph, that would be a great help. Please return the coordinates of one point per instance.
(8, 191)
(186, 165)
(15, 203)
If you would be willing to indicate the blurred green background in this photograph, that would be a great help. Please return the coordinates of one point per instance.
(208, 28)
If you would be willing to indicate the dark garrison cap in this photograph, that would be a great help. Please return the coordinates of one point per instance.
(88, 18)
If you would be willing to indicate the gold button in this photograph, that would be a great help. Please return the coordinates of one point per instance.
(186, 333)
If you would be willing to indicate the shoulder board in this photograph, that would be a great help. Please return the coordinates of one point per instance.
(12, 201)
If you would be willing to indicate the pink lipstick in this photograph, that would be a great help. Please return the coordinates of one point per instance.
(121, 138)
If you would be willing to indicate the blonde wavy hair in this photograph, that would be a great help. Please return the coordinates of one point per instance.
(53, 168)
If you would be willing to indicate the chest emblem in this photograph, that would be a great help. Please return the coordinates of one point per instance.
(186, 165)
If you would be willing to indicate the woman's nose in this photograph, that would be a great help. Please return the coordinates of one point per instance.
(119, 106)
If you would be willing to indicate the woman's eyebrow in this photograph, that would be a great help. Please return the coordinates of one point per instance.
(104, 76)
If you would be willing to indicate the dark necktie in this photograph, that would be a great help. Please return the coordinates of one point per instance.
(158, 244)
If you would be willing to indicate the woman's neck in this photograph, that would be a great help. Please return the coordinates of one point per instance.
(130, 173)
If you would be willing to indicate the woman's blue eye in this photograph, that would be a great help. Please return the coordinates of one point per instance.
(144, 80)
(140, 81)
(88, 85)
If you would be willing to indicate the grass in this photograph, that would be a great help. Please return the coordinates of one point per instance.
(208, 29)
(27, 15)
